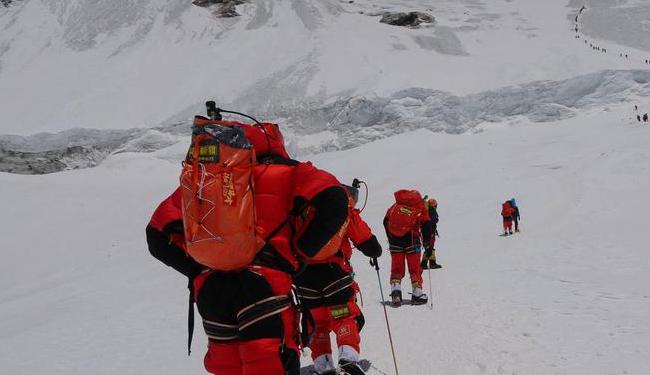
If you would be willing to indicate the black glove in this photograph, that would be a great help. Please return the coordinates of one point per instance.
(370, 248)
(374, 263)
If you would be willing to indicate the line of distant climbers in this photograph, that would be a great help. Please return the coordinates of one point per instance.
(594, 47)
(638, 115)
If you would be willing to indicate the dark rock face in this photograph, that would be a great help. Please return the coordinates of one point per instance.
(6, 3)
(225, 8)
(410, 19)
(53, 152)
(50, 161)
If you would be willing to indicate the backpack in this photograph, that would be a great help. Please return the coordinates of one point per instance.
(217, 196)
(404, 215)
(506, 209)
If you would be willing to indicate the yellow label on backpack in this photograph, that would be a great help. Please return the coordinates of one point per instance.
(339, 312)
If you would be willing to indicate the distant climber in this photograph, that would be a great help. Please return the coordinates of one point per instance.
(506, 212)
(638, 118)
(515, 214)
(406, 223)
(645, 117)
(429, 256)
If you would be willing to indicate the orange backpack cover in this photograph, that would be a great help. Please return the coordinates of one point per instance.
(217, 196)
(404, 215)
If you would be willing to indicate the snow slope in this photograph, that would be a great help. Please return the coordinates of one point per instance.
(569, 295)
(619, 22)
(127, 63)
(498, 99)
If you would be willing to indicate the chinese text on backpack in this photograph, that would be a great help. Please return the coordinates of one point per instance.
(217, 196)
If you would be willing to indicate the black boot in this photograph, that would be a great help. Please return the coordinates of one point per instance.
(350, 368)
(396, 296)
(419, 300)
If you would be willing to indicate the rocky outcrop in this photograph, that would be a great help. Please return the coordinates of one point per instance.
(410, 19)
(224, 8)
(78, 148)
(6, 3)
(76, 157)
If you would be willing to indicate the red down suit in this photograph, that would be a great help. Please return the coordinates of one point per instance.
(507, 212)
(248, 315)
(405, 248)
(328, 289)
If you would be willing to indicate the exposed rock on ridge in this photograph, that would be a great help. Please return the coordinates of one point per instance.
(410, 19)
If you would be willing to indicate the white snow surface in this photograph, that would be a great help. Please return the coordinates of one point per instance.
(570, 294)
(496, 100)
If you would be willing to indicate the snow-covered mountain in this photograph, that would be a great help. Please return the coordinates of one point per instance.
(122, 64)
(494, 99)
(329, 70)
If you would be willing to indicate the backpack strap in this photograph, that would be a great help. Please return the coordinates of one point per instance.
(220, 331)
(263, 309)
(327, 291)
(190, 318)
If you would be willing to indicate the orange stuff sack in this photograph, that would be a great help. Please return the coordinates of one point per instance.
(217, 196)
(404, 215)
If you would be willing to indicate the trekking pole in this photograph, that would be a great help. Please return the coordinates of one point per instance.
(383, 303)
